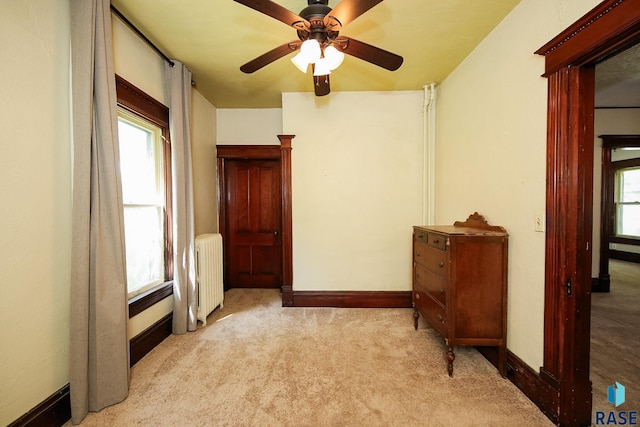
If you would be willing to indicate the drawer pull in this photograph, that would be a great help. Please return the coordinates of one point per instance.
(441, 291)
(436, 241)
(417, 275)
(417, 296)
(440, 264)
(440, 318)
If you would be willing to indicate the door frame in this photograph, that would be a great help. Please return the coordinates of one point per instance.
(607, 206)
(570, 58)
(282, 153)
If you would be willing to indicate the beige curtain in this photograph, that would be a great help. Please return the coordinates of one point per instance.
(99, 354)
(178, 79)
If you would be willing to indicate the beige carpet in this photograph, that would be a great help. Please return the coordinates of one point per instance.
(615, 334)
(258, 364)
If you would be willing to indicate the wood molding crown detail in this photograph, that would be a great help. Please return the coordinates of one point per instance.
(607, 29)
(596, 13)
(134, 99)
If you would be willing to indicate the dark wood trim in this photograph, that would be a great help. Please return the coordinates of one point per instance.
(282, 153)
(601, 284)
(625, 240)
(248, 152)
(141, 302)
(287, 220)
(56, 409)
(53, 411)
(618, 141)
(570, 60)
(532, 384)
(607, 214)
(625, 256)
(137, 101)
(148, 339)
(352, 299)
(607, 205)
(607, 29)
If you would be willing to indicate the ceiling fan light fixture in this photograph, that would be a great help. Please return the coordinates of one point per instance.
(333, 57)
(310, 52)
(301, 62)
(321, 67)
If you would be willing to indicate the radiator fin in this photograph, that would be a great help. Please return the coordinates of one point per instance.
(209, 274)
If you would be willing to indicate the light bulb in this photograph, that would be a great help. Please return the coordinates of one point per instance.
(333, 56)
(321, 67)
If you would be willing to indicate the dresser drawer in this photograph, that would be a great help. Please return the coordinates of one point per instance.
(434, 284)
(430, 309)
(437, 241)
(433, 259)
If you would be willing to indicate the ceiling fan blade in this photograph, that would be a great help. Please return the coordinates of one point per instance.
(366, 52)
(269, 57)
(278, 12)
(321, 85)
(346, 11)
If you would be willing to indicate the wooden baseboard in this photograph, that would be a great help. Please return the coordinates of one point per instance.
(146, 340)
(624, 256)
(600, 284)
(534, 386)
(53, 411)
(352, 299)
(56, 409)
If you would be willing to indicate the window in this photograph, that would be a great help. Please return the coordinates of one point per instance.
(628, 202)
(145, 172)
(142, 174)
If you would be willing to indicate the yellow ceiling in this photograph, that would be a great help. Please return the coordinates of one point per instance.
(215, 37)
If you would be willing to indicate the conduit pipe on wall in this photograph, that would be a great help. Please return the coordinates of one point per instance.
(429, 154)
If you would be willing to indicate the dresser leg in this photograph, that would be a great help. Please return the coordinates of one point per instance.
(450, 358)
(416, 315)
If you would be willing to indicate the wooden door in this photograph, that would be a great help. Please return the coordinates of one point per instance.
(254, 223)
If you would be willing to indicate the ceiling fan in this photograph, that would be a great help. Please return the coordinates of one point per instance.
(320, 44)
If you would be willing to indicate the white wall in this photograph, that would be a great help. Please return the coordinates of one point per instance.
(203, 155)
(249, 126)
(35, 187)
(608, 121)
(356, 173)
(490, 151)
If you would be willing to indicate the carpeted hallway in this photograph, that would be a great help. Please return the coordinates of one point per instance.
(258, 364)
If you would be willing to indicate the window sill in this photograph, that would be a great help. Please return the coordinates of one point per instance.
(141, 302)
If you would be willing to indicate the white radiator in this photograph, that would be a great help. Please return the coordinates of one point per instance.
(209, 274)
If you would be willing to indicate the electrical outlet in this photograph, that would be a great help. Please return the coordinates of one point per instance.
(539, 222)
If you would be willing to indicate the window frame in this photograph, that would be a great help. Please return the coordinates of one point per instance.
(619, 203)
(137, 102)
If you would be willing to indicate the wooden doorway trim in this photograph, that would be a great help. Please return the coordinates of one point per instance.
(282, 153)
(570, 60)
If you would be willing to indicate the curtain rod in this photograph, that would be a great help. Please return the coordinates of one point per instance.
(142, 36)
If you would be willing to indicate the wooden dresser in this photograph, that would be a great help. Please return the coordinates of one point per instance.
(460, 284)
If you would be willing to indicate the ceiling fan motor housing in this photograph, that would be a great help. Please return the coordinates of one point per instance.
(315, 13)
